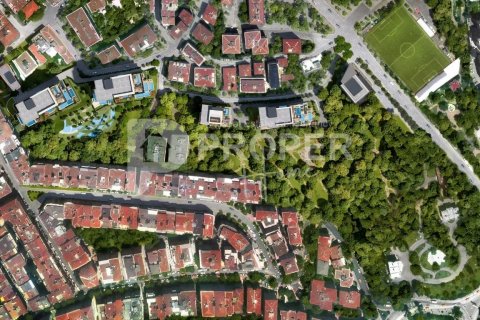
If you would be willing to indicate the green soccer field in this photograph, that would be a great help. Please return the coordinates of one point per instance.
(403, 45)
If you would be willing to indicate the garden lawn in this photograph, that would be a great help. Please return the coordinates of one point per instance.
(407, 50)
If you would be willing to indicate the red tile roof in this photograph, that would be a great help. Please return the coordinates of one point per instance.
(261, 47)
(109, 54)
(282, 62)
(54, 38)
(138, 41)
(270, 309)
(292, 46)
(16, 5)
(88, 276)
(322, 296)
(85, 313)
(244, 70)
(8, 33)
(266, 215)
(251, 38)
(210, 15)
(231, 44)
(96, 5)
(193, 55)
(227, 3)
(292, 315)
(229, 75)
(256, 12)
(222, 303)
(83, 27)
(236, 239)
(30, 9)
(208, 225)
(289, 264)
(349, 299)
(254, 301)
(179, 71)
(253, 85)
(323, 248)
(38, 56)
(202, 33)
(211, 259)
(259, 68)
(204, 77)
(169, 7)
(186, 17)
(177, 31)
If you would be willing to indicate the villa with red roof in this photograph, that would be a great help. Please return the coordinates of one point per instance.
(210, 14)
(270, 309)
(231, 44)
(349, 299)
(256, 12)
(254, 301)
(292, 46)
(8, 33)
(204, 77)
(179, 71)
(83, 27)
(292, 315)
(221, 303)
(229, 75)
(322, 296)
(202, 33)
(30, 9)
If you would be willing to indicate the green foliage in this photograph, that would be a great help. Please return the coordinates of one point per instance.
(214, 48)
(343, 48)
(34, 195)
(301, 16)
(108, 239)
(38, 15)
(243, 12)
(308, 46)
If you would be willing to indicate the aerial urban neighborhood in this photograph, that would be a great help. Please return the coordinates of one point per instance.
(254, 159)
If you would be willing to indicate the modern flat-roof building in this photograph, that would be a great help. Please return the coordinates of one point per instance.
(9, 77)
(354, 84)
(273, 75)
(38, 104)
(172, 147)
(83, 27)
(215, 116)
(274, 117)
(58, 96)
(312, 63)
(25, 64)
(106, 90)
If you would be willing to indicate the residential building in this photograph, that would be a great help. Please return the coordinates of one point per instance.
(254, 301)
(133, 264)
(229, 75)
(221, 303)
(231, 44)
(259, 69)
(192, 54)
(312, 63)
(256, 12)
(109, 55)
(29, 9)
(299, 114)
(139, 41)
(108, 89)
(157, 260)
(215, 116)
(349, 299)
(169, 7)
(273, 75)
(270, 309)
(322, 296)
(9, 77)
(172, 301)
(58, 96)
(244, 70)
(186, 17)
(235, 238)
(8, 33)
(97, 6)
(355, 84)
(202, 33)
(253, 85)
(292, 46)
(16, 5)
(83, 27)
(179, 72)
(110, 268)
(204, 77)
(48, 42)
(292, 315)
(211, 259)
(210, 14)
(84, 313)
(25, 64)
